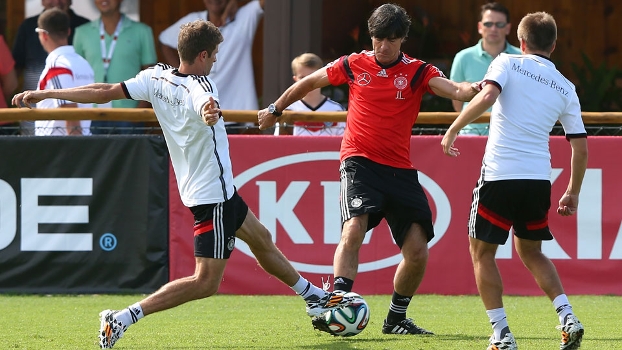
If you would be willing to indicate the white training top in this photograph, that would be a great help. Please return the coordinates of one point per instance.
(199, 153)
(234, 73)
(64, 68)
(534, 96)
(316, 128)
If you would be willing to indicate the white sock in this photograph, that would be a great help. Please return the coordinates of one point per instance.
(499, 322)
(306, 289)
(562, 307)
(130, 315)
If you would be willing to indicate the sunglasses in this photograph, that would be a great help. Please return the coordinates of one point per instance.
(41, 30)
(496, 24)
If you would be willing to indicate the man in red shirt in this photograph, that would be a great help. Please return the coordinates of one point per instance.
(378, 180)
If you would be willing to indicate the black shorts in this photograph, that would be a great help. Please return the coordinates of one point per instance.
(215, 226)
(384, 192)
(499, 205)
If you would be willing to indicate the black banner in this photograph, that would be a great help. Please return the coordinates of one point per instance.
(83, 214)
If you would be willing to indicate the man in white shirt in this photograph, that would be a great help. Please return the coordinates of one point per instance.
(186, 101)
(64, 68)
(528, 96)
(234, 76)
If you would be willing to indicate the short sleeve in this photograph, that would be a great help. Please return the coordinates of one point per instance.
(571, 118)
(138, 87)
(429, 71)
(337, 71)
(200, 97)
(498, 71)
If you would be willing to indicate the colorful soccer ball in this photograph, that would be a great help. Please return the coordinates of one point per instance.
(350, 320)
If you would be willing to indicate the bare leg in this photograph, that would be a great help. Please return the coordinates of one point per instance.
(346, 259)
(541, 267)
(271, 259)
(204, 283)
(411, 269)
(487, 276)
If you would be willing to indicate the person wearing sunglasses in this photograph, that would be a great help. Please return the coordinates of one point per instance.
(472, 63)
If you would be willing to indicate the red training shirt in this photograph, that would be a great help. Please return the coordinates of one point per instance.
(383, 103)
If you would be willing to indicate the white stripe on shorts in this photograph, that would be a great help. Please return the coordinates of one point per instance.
(219, 232)
(343, 202)
(474, 204)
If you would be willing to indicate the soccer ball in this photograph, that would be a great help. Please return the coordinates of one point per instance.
(350, 320)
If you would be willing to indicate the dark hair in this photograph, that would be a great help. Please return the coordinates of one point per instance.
(195, 37)
(497, 7)
(538, 30)
(56, 22)
(389, 21)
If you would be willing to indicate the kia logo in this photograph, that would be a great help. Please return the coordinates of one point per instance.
(289, 220)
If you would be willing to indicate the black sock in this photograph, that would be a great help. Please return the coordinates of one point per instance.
(344, 284)
(397, 310)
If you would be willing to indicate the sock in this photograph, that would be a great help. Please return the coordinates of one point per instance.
(343, 284)
(499, 322)
(130, 315)
(562, 307)
(307, 289)
(397, 310)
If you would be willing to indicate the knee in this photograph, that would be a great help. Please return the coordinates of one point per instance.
(352, 235)
(205, 287)
(416, 254)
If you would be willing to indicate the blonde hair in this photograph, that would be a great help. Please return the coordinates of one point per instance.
(309, 60)
(538, 30)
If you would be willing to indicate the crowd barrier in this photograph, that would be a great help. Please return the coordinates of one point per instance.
(84, 214)
(147, 115)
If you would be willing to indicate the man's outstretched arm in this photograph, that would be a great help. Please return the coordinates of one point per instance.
(92, 93)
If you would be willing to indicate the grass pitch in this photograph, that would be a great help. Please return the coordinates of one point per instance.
(280, 322)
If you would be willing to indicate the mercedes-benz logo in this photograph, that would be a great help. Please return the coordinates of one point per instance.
(363, 79)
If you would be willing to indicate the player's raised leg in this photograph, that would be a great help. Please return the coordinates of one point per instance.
(202, 284)
(272, 260)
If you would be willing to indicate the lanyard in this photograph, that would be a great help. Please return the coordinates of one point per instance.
(102, 38)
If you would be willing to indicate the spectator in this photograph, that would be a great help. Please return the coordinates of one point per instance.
(302, 66)
(514, 189)
(234, 76)
(472, 63)
(117, 48)
(63, 69)
(8, 84)
(28, 53)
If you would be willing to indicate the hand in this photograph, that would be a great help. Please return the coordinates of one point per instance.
(448, 144)
(211, 112)
(26, 99)
(568, 204)
(478, 85)
(266, 119)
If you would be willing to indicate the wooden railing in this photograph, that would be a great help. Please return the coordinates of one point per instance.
(147, 115)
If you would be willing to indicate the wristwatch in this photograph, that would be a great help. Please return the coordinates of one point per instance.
(272, 110)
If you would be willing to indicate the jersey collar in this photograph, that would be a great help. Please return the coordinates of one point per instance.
(387, 66)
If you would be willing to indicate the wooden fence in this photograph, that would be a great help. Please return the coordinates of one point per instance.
(148, 115)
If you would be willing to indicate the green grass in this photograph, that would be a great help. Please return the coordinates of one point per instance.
(280, 322)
